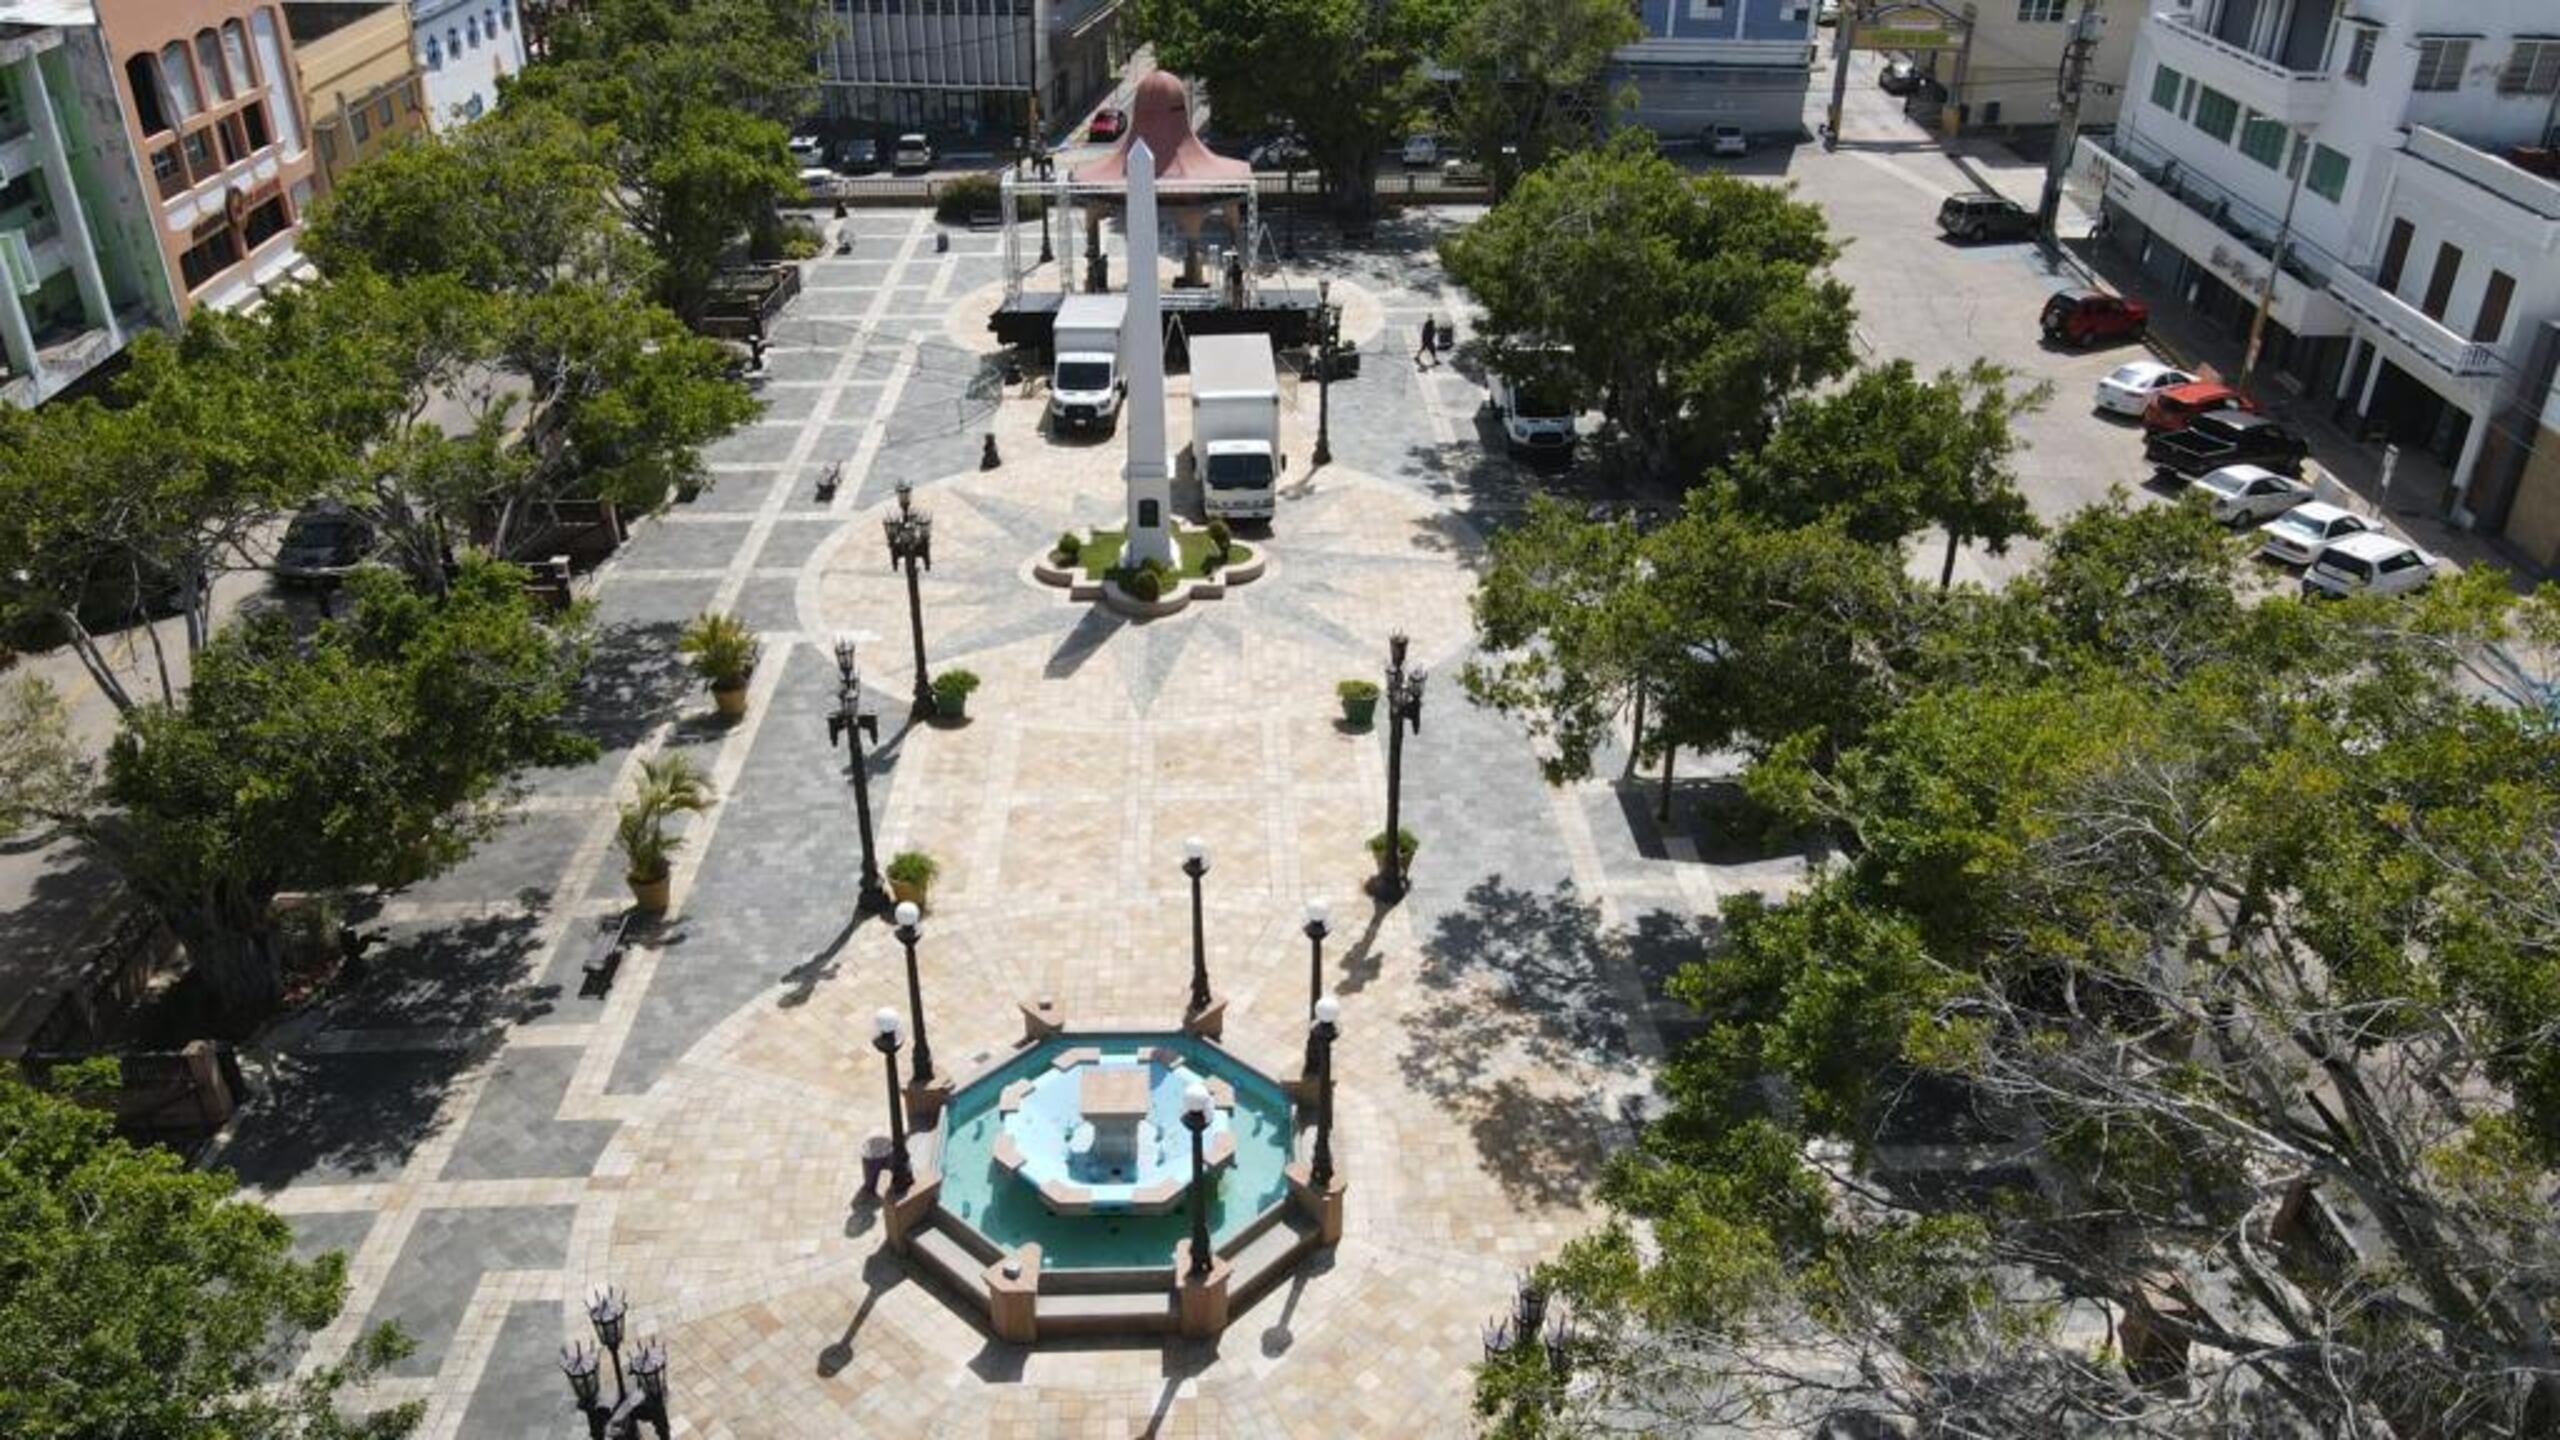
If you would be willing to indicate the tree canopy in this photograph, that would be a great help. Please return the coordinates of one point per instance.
(1690, 308)
(2170, 1051)
(138, 1297)
(1530, 77)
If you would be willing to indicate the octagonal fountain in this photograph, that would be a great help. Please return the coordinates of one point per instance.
(1060, 1197)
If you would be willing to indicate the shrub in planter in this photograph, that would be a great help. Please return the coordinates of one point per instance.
(955, 200)
(1406, 845)
(667, 785)
(951, 691)
(1070, 548)
(911, 874)
(1359, 700)
(1222, 541)
(724, 654)
(1144, 583)
(801, 240)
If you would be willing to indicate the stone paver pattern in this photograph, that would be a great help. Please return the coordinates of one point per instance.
(490, 1145)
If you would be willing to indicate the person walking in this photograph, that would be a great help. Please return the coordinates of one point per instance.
(1428, 353)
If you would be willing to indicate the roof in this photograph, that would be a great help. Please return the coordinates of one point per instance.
(2370, 545)
(1232, 364)
(1081, 312)
(1160, 115)
(42, 13)
(2316, 512)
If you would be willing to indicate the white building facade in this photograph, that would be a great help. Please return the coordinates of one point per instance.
(968, 71)
(2396, 151)
(464, 48)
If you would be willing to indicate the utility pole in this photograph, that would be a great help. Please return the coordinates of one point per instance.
(1843, 40)
(2066, 131)
(2301, 144)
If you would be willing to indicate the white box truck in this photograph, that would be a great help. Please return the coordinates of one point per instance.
(1085, 384)
(1235, 425)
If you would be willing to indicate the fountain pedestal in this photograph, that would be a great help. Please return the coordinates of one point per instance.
(903, 1215)
(1210, 1022)
(1322, 1206)
(1201, 1300)
(1113, 1101)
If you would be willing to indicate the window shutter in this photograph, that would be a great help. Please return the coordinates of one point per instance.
(19, 262)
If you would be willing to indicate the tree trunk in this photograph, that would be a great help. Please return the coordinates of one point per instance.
(239, 964)
(1947, 571)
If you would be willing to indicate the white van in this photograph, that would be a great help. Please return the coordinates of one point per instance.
(1537, 414)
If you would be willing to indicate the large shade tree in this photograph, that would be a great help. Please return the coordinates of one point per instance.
(1531, 77)
(2199, 934)
(139, 1297)
(1690, 308)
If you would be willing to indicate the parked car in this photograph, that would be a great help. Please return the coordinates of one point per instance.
(1462, 170)
(2085, 317)
(1899, 77)
(2369, 563)
(858, 156)
(2227, 437)
(912, 152)
(2237, 493)
(2297, 536)
(1421, 151)
(807, 150)
(1829, 14)
(2177, 406)
(1982, 215)
(2128, 388)
(325, 542)
(1107, 125)
(1725, 140)
(1537, 416)
(1285, 153)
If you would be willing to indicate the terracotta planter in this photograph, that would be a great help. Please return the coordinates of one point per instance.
(732, 702)
(902, 890)
(1359, 711)
(652, 895)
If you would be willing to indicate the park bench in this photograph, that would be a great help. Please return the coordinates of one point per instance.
(604, 956)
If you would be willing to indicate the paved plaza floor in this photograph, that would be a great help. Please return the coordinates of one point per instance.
(488, 1144)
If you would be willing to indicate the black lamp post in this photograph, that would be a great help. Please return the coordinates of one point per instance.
(1328, 333)
(1316, 931)
(908, 933)
(1320, 1037)
(850, 724)
(1195, 863)
(1404, 707)
(633, 1404)
(1048, 197)
(885, 1040)
(1195, 1118)
(910, 535)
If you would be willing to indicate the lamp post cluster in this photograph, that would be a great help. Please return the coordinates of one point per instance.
(910, 536)
(849, 723)
(1403, 699)
(1531, 1325)
(1328, 346)
(885, 1027)
(909, 932)
(639, 1396)
(1316, 930)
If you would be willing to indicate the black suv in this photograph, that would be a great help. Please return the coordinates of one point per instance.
(2226, 437)
(1985, 216)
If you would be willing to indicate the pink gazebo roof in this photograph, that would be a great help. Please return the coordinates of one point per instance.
(1161, 116)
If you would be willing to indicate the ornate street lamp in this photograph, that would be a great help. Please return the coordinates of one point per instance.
(908, 933)
(1328, 335)
(910, 535)
(850, 723)
(1195, 863)
(1195, 1118)
(1320, 1037)
(885, 1040)
(1404, 707)
(1316, 931)
(633, 1404)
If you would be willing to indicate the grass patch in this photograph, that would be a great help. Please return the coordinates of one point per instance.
(1101, 554)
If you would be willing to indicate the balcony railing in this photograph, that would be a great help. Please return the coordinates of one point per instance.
(2234, 216)
(2270, 87)
(2432, 339)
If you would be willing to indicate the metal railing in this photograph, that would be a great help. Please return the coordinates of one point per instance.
(2186, 23)
(2234, 216)
(2444, 347)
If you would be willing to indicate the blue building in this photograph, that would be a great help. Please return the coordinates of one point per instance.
(1718, 62)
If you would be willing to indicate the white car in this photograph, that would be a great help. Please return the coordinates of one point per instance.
(2237, 493)
(2297, 536)
(2127, 389)
(807, 150)
(1727, 140)
(1421, 151)
(1829, 14)
(2369, 564)
(1536, 417)
(913, 152)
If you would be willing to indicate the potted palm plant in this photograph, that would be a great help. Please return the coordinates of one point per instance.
(668, 785)
(911, 874)
(951, 693)
(1359, 702)
(724, 654)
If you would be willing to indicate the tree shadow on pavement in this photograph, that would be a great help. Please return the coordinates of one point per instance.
(634, 680)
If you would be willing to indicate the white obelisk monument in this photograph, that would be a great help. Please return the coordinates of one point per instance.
(1146, 474)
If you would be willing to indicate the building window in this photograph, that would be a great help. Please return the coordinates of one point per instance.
(1706, 9)
(2039, 10)
(453, 42)
(2441, 61)
(235, 144)
(199, 147)
(507, 17)
(217, 80)
(2164, 87)
(435, 54)
(253, 118)
(382, 113)
(2493, 307)
(2360, 52)
(142, 76)
(2534, 69)
(2216, 114)
(209, 257)
(235, 48)
(361, 123)
(264, 223)
(180, 79)
(2262, 140)
(2328, 177)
